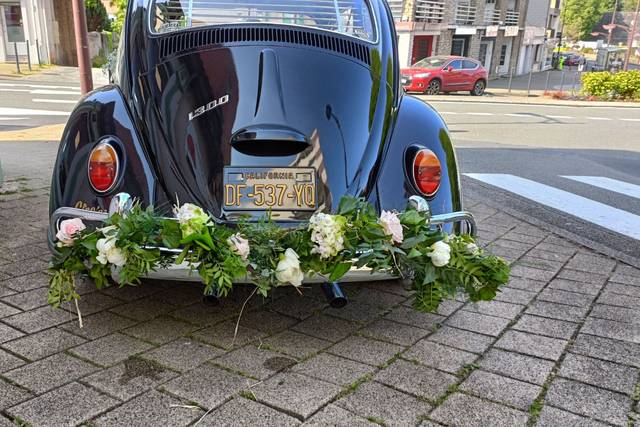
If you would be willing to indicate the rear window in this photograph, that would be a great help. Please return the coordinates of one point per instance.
(351, 17)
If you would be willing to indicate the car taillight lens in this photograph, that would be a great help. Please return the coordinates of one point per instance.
(103, 167)
(427, 172)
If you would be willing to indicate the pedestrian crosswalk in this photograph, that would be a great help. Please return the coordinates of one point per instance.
(540, 117)
(598, 213)
(34, 102)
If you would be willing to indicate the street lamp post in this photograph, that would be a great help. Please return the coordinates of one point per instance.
(612, 26)
(82, 45)
(632, 36)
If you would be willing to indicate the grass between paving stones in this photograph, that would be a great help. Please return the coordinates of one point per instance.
(377, 420)
(351, 388)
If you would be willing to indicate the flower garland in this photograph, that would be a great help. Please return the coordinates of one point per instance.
(439, 265)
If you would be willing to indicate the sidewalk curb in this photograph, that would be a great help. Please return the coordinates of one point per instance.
(521, 100)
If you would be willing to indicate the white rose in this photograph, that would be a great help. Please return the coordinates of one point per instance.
(391, 225)
(288, 269)
(440, 254)
(191, 218)
(68, 228)
(109, 252)
(327, 234)
(239, 245)
(472, 248)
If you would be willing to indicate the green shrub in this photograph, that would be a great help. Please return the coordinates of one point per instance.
(620, 85)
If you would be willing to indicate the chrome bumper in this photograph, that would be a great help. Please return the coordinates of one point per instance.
(183, 272)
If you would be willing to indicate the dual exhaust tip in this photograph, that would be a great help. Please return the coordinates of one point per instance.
(332, 292)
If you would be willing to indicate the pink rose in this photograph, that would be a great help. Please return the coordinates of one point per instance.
(67, 229)
(391, 225)
(239, 245)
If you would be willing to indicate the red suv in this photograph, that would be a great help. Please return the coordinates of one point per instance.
(437, 74)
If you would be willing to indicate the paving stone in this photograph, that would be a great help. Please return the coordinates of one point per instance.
(11, 394)
(98, 325)
(446, 307)
(143, 309)
(20, 268)
(7, 310)
(365, 350)
(379, 298)
(94, 302)
(301, 307)
(523, 238)
(182, 354)
(256, 362)
(38, 319)
(581, 276)
(510, 255)
(49, 373)
(151, 409)
(296, 394)
(511, 244)
(534, 345)
(296, 344)
(357, 311)
(610, 329)
(53, 408)
(266, 321)
(326, 327)
(8, 361)
(540, 263)
(43, 344)
(27, 282)
(618, 314)
(416, 379)
(578, 287)
(132, 377)
(554, 417)
(130, 293)
(396, 333)
(611, 298)
(245, 412)
(557, 311)
(558, 245)
(600, 373)
(544, 326)
(463, 410)
(111, 349)
(501, 389)
(439, 356)
(564, 297)
(532, 273)
(495, 308)
(591, 263)
(619, 288)
(459, 338)
(526, 284)
(550, 255)
(335, 416)
(222, 335)
(333, 369)
(517, 366)
(185, 293)
(475, 322)
(590, 401)
(207, 385)
(160, 330)
(384, 403)
(4, 292)
(515, 296)
(7, 333)
(411, 317)
(27, 300)
(626, 279)
(607, 349)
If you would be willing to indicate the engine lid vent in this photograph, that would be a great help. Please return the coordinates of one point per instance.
(187, 40)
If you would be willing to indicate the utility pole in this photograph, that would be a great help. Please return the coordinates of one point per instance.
(612, 26)
(632, 36)
(82, 46)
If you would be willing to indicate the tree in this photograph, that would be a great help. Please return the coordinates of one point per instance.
(97, 18)
(579, 16)
(121, 6)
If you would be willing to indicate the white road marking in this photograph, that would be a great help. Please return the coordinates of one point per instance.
(13, 118)
(595, 212)
(481, 114)
(614, 185)
(599, 118)
(8, 111)
(560, 117)
(14, 90)
(54, 92)
(530, 116)
(39, 86)
(449, 112)
(54, 101)
(630, 120)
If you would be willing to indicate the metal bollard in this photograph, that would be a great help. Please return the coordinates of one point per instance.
(38, 53)
(28, 54)
(510, 79)
(573, 86)
(546, 85)
(15, 50)
(529, 83)
(562, 82)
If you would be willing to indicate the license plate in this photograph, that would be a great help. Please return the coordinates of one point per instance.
(263, 188)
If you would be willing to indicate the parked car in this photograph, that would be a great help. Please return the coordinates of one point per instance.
(219, 103)
(437, 74)
(571, 59)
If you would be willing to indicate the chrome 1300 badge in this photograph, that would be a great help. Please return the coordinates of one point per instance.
(208, 107)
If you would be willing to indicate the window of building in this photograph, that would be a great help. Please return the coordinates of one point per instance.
(503, 54)
(13, 18)
(458, 46)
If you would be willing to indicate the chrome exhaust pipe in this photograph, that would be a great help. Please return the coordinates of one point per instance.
(335, 296)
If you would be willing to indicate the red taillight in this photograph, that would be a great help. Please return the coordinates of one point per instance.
(427, 172)
(103, 167)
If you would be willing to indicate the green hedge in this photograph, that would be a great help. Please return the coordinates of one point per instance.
(620, 85)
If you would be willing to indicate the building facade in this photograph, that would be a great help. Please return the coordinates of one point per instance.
(488, 30)
(533, 53)
(41, 28)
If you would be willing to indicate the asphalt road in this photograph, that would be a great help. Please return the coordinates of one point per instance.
(575, 169)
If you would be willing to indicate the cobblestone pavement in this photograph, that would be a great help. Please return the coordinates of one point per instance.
(559, 347)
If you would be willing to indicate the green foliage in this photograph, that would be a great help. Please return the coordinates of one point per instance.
(580, 16)
(607, 85)
(207, 250)
(97, 18)
(121, 10)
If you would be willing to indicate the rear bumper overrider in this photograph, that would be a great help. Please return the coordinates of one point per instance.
(183, 272)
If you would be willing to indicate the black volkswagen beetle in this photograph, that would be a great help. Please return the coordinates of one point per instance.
(249, 107)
